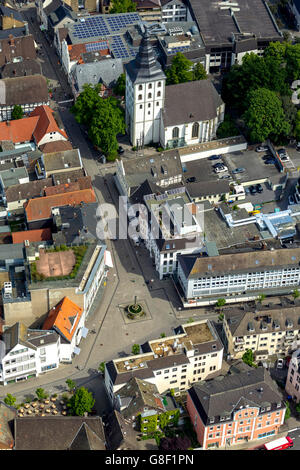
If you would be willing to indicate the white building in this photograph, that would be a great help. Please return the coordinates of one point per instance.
(292, 385)
(238, 276)
(267, 330)
(174, 116)
(174, 362)
(173, 10)
(27, 353)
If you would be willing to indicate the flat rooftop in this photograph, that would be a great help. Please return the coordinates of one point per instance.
(218, 20)
(192, 335)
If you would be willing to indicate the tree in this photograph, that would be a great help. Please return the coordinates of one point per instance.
(261, 297)
(227, 128)
(199, 72)
(103, 117)
(120, 86)
(296, 294)
(71, 384)
(248, 357)
(175, 443)
(101, 367)
(81, 402)
(298, 408)
(135, 349)
(41, 394)
(17, 112)
(296, 131)
(221, 302)
(10, 400)
(123, 6)
(287, 411)
(181, 70)
(264, 117)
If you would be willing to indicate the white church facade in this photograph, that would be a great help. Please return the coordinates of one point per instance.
(174, 115)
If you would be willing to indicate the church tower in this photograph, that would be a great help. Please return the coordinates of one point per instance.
(145, 96)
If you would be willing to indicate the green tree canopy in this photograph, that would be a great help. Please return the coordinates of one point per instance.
(10, 400)
(17, 112)
(103, 117)
(123, 6)
(71, 384)
(265, 117)
(41, 394)
(297, 126)
(199, 72)
(120, 86)
(135, 349)
(248, 357)
(181, 70)
(81, 402)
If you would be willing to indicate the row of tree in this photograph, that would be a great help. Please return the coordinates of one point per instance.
(80, 402)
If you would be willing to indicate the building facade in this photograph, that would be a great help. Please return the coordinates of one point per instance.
(174, 362)
(238, 276)
(292, 385)
(235, 409)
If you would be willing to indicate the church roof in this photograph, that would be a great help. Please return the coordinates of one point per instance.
(145, 67)
(190, 102)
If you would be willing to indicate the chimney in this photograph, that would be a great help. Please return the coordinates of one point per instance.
(8, 123)
(11, 40)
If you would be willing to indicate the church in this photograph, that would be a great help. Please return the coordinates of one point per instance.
(171, 116)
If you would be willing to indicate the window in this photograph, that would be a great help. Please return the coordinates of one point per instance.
(175, 133)
(140, 87)
(195, 130)
(159, 84)
(158, 93)
(141, 106)
(140, 97)
(149, 95)
(150, 86)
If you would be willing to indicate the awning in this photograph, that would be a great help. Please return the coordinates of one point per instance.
(76, 350)
(84, 332)
(108, 259)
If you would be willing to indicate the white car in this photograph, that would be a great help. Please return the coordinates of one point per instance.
(221, 169)
(280, 363)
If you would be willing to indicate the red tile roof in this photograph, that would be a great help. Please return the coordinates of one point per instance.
(38, 235)
(19, 130)
(40, 208)
(64, 318)
(46, 123)
(37, 125)
(82, 183)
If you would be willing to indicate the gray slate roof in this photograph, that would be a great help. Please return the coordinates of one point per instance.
(145, 67)
(104, 71)
(223, 395)
(59, 433)
(190, 102)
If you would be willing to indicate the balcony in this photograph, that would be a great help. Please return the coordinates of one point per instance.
(239, 341)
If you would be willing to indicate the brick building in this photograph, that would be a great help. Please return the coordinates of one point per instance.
(243, 406)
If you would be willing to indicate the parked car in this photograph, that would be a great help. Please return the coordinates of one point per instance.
(238, 170)
(280, 363)
(192, 179)
(284, 158)
(291, 200)
(221, 169)
(252, 189)
(270, 161)
(259, 188)
(261, 148)
(247, 190)
(225, 177)
(267, 155)
(281, 151)
(215, 157)
(216, 165)
(298, 147)
(120, 150)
